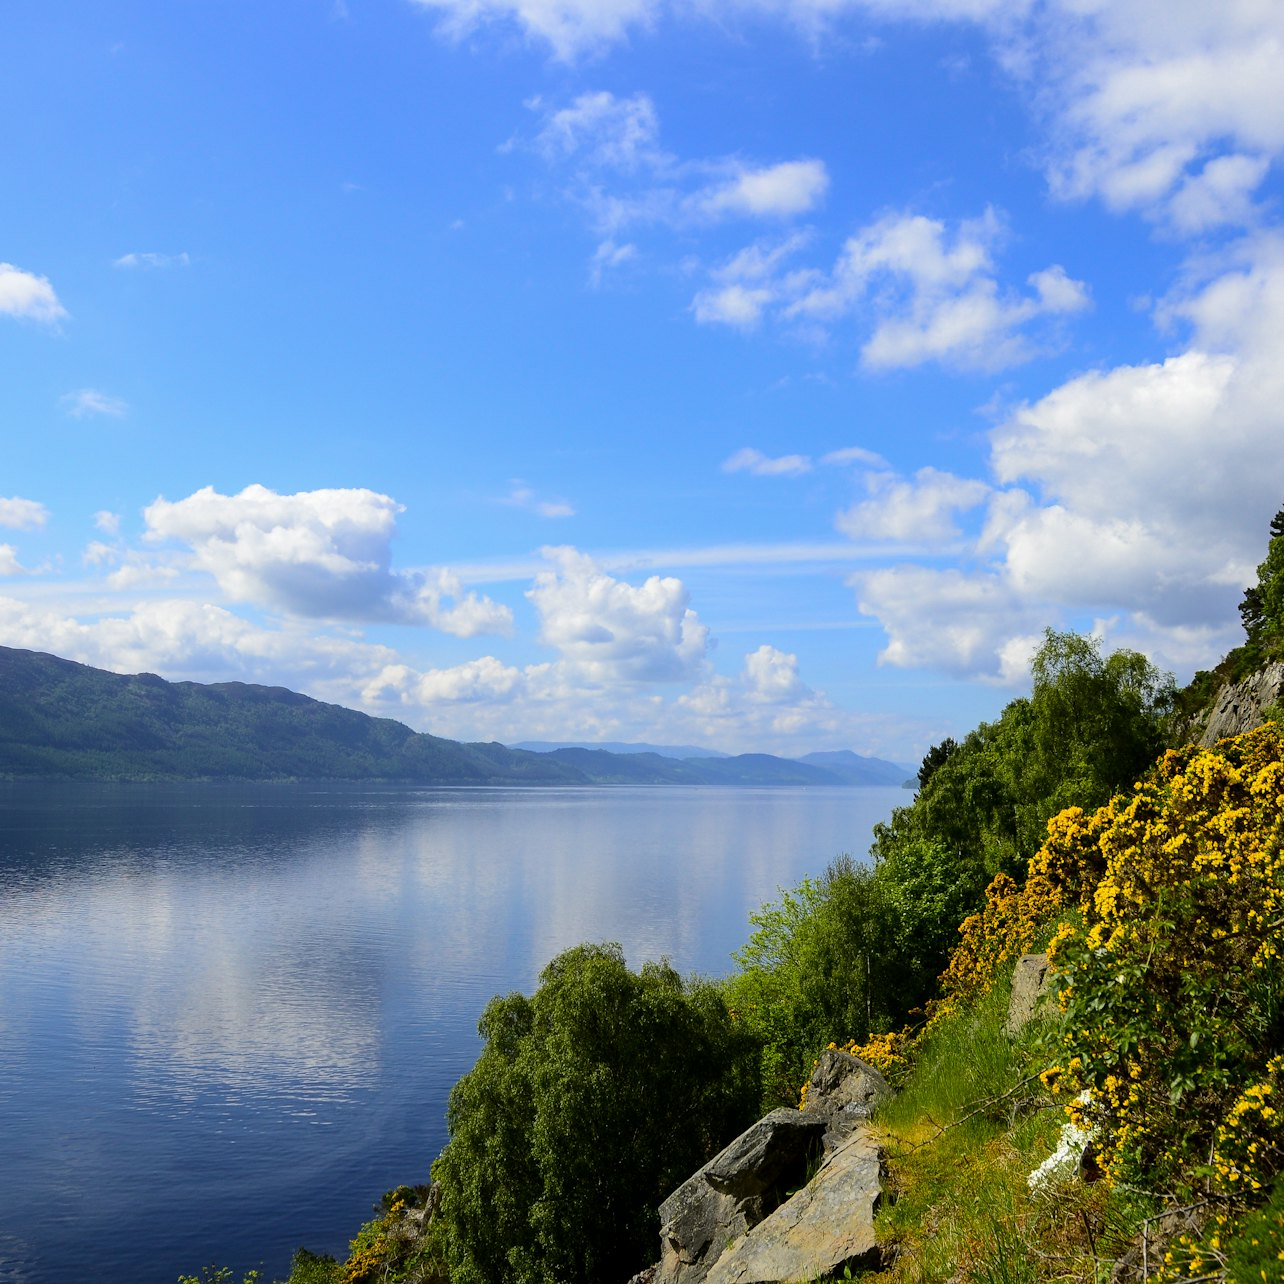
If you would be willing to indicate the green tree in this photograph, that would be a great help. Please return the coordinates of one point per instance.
(1091, 725)
(1262, 609)
(591, 1101)
(819, 965)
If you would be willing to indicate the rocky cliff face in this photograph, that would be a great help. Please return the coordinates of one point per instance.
(1239, 706)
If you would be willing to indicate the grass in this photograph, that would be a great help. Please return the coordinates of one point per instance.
(962, 1138)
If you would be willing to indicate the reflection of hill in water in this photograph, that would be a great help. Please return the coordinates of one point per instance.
(48, 826)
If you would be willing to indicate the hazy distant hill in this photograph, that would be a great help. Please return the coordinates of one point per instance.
(62, 719)
(620, 746)
(655, 769)
(858, 770)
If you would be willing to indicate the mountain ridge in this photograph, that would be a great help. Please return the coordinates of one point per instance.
(63, 719)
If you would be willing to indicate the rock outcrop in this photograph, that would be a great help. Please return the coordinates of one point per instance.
(751, 1214)
(827, 1225)
(734, 1191)
(1238, 706)
(1030, 990)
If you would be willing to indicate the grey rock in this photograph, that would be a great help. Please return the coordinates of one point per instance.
(734, 1191)
(1238, 706)
(825, 1226)
(1031, 988)
(844, 1090)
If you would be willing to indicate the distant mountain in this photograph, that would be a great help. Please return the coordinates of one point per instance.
(619, 746)
(858, 770)
(62, 719)
(841, 766)
(655, 769)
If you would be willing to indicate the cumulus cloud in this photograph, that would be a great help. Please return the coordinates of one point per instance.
(28, 296)
(612, 631)
(1137, 497)
(22, 514)
(766, 703)
(920, 290)
(89, 401)
(749, 460)
(1169, 109)
(483, 680)
(961, 623)
(323, 554)
(919, 510)
(934, 294)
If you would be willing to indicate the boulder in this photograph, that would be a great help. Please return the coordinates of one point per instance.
(843, 1091)
(735, 1190)
(825, 1226)
(1031, 988)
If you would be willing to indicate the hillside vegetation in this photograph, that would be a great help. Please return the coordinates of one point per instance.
(1134, 1131)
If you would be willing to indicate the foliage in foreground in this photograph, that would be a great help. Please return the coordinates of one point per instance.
(1166, 910)
(1173, 986)
(591, 1101)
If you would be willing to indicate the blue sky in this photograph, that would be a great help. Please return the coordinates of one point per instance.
(763, 375)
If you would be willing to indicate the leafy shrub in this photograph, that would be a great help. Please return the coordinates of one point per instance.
(591, 1101)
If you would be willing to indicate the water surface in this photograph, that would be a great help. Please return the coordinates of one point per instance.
(230, 1015)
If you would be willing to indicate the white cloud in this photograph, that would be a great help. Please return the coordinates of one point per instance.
(739, 305)
(152, 260)
(484, 680)
(28, 296)
(107, 522)
(320, 554)
(89, 401)
(613, 632)
(1138, 496)
(9, 564)
(607, 257)
(774, 191)
(520, 495)
(604, 131)
(617, 172)
(1149, 97)
(771, 676)
(749, 460)
(569, 27)
(853, 455)
(766, 705)
(919, 510)
(1221, 193)
(934, 294)
(22, 514)
(961, 623)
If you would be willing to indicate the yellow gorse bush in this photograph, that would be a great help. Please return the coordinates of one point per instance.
(1171, 984)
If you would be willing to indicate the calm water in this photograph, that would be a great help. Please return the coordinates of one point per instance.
(230, 1015)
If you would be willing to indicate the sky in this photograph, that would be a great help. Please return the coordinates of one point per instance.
(762, 375)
